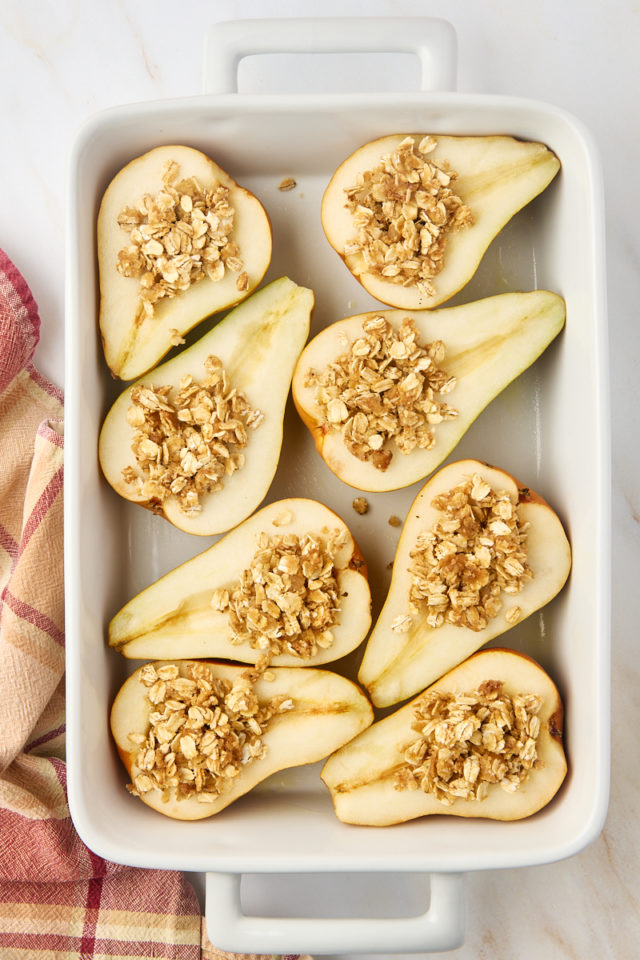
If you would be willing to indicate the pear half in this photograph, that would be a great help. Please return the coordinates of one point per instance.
(134, 342)
(488, 344)
(397, 664)
(327, 712)
(258, 344)
(174, 617)
(361, 775)
(497, 176)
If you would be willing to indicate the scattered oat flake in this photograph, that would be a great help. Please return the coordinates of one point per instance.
(360, 505)
(287, 184)
(176, 337)
(283, 519)
(513, 614)
(394, 521)
(401, 624)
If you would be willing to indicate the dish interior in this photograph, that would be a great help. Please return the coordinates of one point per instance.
(547, 428)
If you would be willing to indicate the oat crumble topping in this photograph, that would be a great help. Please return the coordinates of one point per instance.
(202, 731)
(404, 210)
(386, 387)
(187, 441)
(360, 505)
(287, 600)
(472, 555)
(468, 741)
(179, 236)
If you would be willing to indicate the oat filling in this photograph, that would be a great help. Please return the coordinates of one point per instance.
(469, 741)
(385, 391)
(474, 554)
(188, 441)
(288, 600)
(203, 730)
(179, 236)
(404, 211)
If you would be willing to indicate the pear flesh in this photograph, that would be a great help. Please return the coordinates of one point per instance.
(497, 176)
(361, 775)
(258, 343)
(488, 344)
(134, 343)
(327, 712)
(398, 664)
(174, 617)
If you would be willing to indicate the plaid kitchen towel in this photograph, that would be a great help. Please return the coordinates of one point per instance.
(58, 900)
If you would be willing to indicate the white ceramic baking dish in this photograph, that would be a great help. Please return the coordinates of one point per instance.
(550, 428)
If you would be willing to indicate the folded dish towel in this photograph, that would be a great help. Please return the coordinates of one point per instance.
(57, 898)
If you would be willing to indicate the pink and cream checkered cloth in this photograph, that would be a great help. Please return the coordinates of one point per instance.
(58, 900)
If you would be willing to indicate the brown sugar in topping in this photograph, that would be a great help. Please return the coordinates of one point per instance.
(474, 553)
(202, 731)
(385, 389)
(403, 211)
(188, 440)
(287, 600)
(177, 237)
(469, 741)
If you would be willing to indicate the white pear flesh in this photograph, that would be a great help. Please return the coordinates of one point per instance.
(328, 711)
(258, 343)
(488, 344)
(132, 342)
(173, 618)
(396, 665)
(497, 176)
(361, 775)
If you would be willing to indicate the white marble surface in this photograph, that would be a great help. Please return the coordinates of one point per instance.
(62, 62)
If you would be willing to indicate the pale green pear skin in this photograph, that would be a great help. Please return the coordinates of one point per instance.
(327, 712)
(488, 344)
(361, 775)
(134, 343)
(397, 664)
(497, 176)
(174, 617)
(258, 343)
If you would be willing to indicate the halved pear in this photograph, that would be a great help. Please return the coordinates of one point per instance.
(258, 344)
(174, 617)
(488, 344)
(397, 664)
(327, 712)
(361, 776)
(134, 342)
(497, 176)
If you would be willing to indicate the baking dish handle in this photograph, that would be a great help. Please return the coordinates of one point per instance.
(440, 928)
(432, 40)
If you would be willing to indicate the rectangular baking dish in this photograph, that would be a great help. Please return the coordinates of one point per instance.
(550, 428)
